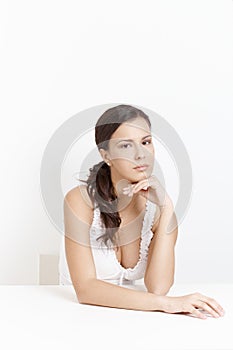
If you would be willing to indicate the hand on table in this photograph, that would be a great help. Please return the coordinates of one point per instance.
(191, 304)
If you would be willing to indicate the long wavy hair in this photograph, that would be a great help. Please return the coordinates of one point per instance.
(99, 183)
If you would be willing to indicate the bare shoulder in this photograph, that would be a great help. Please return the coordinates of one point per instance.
(78, 201)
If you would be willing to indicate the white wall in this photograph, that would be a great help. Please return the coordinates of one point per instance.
(173, 57)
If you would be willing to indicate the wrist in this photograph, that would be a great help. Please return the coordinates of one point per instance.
(167, 203)
(161, 302)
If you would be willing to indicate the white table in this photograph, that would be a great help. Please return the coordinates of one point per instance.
(50, 317)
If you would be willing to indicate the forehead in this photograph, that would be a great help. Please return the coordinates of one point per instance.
(132, 129)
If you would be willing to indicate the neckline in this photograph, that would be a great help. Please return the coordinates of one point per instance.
(140, 246)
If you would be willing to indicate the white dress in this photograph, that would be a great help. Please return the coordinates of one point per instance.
(108, 268)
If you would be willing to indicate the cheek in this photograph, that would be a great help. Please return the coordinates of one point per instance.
(151, 153)
(123, 164)
(125, 156)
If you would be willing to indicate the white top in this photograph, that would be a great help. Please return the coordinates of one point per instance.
(107, 266)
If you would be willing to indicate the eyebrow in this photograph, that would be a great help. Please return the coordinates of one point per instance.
(133, 140)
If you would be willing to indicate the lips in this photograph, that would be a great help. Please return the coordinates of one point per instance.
(142, 166)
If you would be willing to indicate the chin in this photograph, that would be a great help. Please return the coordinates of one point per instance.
(139, 177)
(136, 177)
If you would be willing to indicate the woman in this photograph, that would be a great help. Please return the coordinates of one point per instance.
(121, 226)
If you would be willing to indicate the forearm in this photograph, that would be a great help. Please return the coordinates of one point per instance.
(98, 292)
(159, 276)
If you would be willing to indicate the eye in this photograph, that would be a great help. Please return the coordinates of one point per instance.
(124, 145)
(149, 141)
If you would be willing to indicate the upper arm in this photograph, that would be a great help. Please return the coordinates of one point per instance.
(156, 219)
(78, 216)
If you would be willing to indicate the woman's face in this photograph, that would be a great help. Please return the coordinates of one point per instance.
(130, 146)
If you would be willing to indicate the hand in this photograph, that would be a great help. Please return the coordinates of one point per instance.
(190, 303)
(150, 188)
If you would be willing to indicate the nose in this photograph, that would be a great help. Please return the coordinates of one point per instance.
(139, 152)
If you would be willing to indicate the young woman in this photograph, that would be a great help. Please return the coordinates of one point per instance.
(121, 226)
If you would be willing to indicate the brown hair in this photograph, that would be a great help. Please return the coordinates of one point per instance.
(99, 183)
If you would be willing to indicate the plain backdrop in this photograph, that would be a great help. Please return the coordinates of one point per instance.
(61, 57)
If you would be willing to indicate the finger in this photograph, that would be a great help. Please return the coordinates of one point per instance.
(206, 307)
(133, 189)
(140, 185)
(143, 189)
(130, 190)
(198, 313)
(213, 304)
(126, 190)
(143, 194)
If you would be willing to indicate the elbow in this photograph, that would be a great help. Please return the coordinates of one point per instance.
(83, 298)
(160, 290)
(80, 296)
(82, 292)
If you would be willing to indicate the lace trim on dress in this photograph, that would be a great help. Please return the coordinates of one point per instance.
(146, 236)
(146, 233)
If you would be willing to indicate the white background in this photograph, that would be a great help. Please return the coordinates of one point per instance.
(61, 57)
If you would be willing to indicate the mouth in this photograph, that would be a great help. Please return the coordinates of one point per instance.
(141, 167)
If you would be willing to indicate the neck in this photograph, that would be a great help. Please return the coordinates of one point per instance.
(126, 203)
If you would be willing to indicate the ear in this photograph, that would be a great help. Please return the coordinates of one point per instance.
(104, 154)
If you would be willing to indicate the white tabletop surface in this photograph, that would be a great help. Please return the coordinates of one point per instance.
(50, 317)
